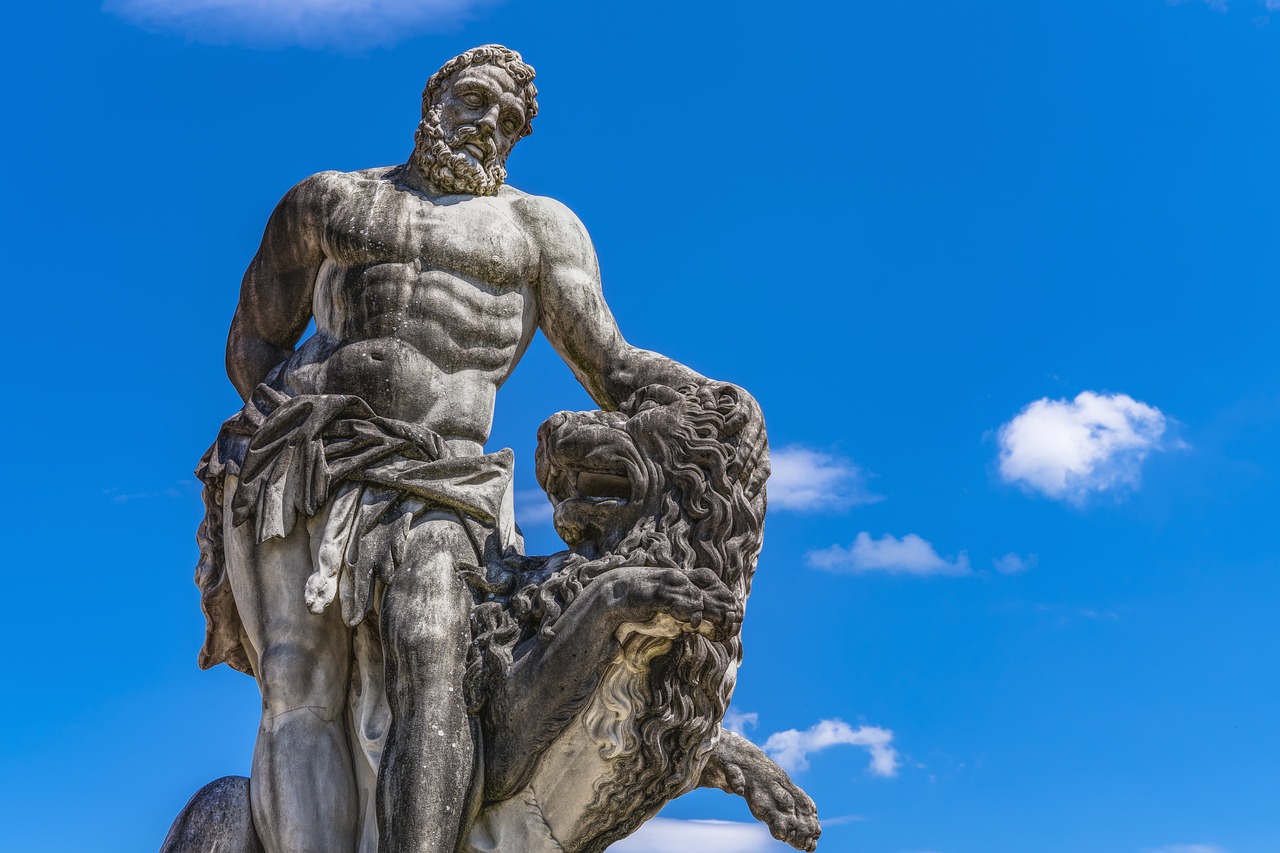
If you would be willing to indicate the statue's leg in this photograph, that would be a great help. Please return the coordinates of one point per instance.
(427, 765)
(302, 788)
(368, 720)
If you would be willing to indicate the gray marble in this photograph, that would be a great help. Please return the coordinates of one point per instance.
(426, 686)
(216, 820)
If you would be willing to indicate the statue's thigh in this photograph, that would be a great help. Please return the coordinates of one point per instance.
(294, 651)
(427, 605)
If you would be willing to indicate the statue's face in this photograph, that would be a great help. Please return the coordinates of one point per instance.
(482, 114)
(468, 131)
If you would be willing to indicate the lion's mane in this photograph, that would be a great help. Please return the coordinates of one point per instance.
(705, 507)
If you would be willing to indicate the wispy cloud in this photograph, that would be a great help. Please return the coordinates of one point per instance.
(342, 24)
(1187, 848)
(1225, 5)
(910, 555)
(738, 722)
(805, 480)
(180, 489)
(532, 508)
(1012, 564)
(792, 748)
(1068, 449)
(843, 820)
(663, 835)
(1215, 5)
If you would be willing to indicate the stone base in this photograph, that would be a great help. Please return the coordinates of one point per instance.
(216, 820)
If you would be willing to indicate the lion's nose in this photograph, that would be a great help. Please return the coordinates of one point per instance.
(557, 420)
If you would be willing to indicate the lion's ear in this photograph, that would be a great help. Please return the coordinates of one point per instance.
(744, 426)
(726, 401)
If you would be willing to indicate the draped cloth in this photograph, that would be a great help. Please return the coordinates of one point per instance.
(364, 479)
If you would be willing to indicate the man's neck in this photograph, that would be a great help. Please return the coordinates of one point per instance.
(413, 178)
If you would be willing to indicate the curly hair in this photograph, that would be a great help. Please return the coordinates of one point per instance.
(489, 54)
(705, 508)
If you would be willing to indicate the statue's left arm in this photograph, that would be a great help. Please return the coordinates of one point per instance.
(574, 317)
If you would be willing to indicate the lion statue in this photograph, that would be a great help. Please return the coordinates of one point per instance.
(602, 680)
(600, 675)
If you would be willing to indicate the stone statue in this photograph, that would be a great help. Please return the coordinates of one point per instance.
(602, 680)
(359, 555)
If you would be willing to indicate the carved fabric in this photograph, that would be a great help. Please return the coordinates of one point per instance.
(363, 477)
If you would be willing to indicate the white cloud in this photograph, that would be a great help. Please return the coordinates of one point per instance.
(1067, 449)
(1012, 564)
(909, 555)
(842, 820)
(791, 749)
(1186, 848)
(738, 722)
(533, 509)
(345, 24)
(1215, 5)
(663, 835)
(805, 480)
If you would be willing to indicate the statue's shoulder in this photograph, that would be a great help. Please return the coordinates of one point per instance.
(545, 216)
(330, 183)
(319, 194)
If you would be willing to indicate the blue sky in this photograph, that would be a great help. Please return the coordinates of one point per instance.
(1002, 275)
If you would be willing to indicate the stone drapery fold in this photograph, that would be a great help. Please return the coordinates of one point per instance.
(361, 479)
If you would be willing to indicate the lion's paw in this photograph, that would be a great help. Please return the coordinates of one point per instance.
(788, 811)
(697, 598)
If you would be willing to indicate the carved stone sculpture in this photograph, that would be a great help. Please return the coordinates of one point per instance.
(602, 681)
(600, 674)
(356, 531)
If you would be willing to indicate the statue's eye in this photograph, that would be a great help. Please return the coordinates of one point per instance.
(472, 99)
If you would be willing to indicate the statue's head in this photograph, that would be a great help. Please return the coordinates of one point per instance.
(474, 110)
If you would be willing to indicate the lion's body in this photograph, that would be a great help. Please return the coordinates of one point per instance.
(641, 731)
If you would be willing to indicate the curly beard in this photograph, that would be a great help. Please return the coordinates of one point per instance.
(444, 162)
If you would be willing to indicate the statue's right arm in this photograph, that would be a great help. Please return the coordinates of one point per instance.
(275, 294)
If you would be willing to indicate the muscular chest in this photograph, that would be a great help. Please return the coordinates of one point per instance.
(476, 239)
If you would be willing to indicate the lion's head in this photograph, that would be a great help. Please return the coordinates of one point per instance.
(675, 477)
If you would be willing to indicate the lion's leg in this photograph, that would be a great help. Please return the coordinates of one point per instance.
(427, 768)
(739, 767)
(302, 791)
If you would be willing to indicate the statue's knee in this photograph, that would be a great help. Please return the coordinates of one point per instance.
(296, 678)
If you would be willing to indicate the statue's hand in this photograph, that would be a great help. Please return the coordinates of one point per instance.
(698, 598)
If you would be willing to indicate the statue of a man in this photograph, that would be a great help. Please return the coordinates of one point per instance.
(354, 485)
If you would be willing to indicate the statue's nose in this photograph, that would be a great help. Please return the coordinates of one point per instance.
(557, 420)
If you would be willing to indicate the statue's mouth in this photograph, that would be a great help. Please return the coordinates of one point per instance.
(593, 487)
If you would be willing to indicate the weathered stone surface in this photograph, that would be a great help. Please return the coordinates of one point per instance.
(215, 820)
(426, 686)
(602, 679)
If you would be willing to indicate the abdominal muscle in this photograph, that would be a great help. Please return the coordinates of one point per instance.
(416, 368)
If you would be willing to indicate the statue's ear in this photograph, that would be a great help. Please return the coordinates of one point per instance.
(735, 414)
(744, 430)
